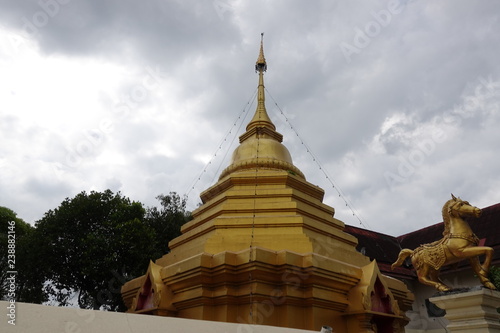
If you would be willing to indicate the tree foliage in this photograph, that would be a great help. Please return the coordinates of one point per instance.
(18, 238)
(494, 276)
(167, 221)
(84, 250)
(91, 244)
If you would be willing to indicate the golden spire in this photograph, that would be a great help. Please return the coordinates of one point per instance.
(261, 65)
(261, 118)
(261, 146)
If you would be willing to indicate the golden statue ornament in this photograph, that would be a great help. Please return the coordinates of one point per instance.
(458, 243)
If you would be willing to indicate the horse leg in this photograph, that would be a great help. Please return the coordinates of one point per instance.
(429, 277)
(476, 251)
(434, 275)
(487, 260)
(481, 273)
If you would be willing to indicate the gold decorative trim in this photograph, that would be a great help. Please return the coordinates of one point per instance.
(262, 163)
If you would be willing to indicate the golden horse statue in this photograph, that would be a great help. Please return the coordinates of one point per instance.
(458, 243)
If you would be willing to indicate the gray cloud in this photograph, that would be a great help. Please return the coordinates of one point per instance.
(422, 69)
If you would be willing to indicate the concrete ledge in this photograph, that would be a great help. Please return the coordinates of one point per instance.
(41, 318)
(473, 311)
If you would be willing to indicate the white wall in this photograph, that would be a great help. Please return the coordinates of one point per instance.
(50, 319)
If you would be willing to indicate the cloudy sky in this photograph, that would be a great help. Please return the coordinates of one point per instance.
(396, 103)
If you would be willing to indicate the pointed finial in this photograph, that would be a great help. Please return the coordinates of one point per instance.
(260, 65)
(261, 117)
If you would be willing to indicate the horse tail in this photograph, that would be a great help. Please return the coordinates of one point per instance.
(402, 256)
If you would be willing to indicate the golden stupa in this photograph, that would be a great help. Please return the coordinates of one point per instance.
(264, 249)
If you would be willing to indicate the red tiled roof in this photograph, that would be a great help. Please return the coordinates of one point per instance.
(375, 245)
(384, 248)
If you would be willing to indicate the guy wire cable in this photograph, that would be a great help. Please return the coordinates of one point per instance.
(339, 191)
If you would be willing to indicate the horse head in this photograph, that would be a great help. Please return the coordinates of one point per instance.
(460, 208)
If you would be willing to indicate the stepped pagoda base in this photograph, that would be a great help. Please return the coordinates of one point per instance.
(265, 287)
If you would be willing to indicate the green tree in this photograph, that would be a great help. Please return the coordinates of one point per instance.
(91, 245)
(494, 276)
(167, 220)
(14, 243)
